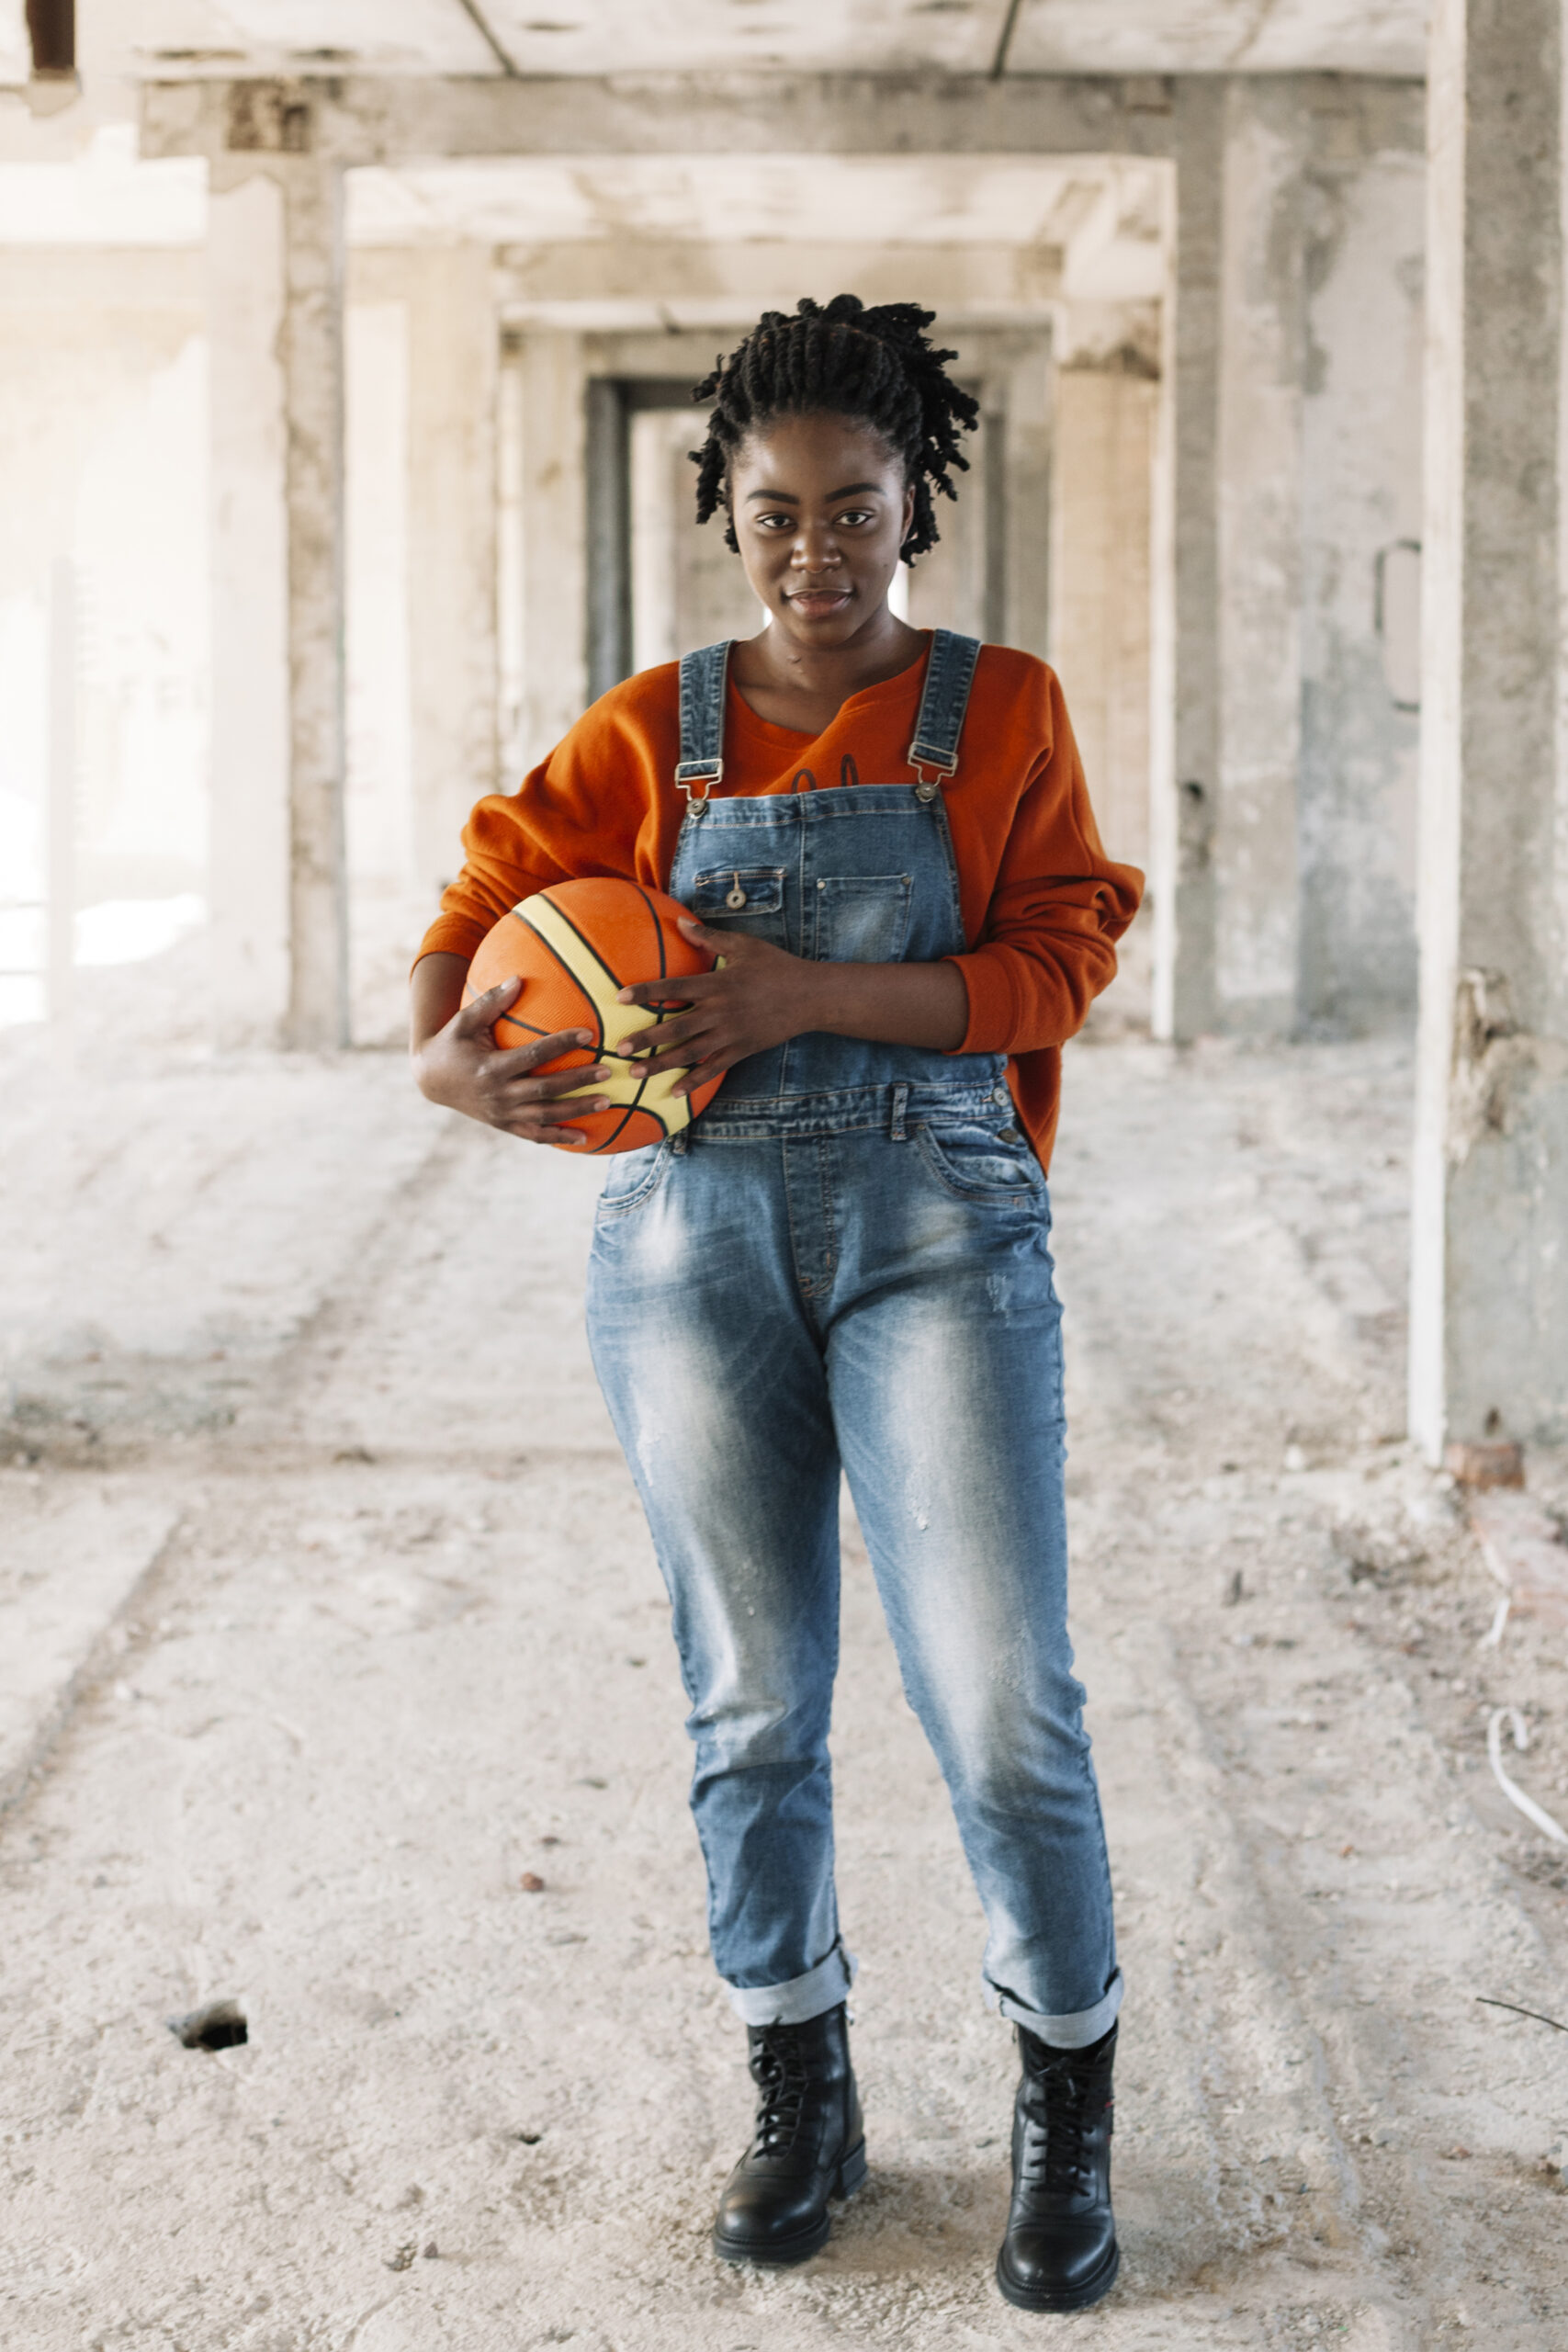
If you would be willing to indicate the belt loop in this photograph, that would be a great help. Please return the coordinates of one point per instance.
(901, 1105)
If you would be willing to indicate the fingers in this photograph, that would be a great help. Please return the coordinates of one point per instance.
(671, 1045)
(516, 1061)
(547, 1097)
(541, 1124)
(700, 1074)
(477, 1017)
(670, 1057)
(717, 943)
(656, 994)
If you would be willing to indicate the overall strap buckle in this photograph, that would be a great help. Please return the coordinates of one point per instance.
(691, 774)
(704, 679)
(944, 702)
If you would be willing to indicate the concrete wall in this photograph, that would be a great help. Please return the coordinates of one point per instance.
(1360, 568)
(1318, 470)
(103, 401)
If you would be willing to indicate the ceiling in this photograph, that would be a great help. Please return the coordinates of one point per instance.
(1100, 219)
(178, 38)
(915, 199)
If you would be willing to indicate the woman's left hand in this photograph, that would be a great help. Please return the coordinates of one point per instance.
(762, 996)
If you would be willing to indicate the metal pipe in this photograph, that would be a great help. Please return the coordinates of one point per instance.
(1004, 43)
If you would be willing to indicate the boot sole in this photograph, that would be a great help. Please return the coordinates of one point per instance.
(781, 2252)
(1038, 2298)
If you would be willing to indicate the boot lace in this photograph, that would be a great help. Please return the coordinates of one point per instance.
(780, 2071)
(1062, 2115)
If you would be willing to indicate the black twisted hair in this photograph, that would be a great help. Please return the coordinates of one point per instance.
(877, 366)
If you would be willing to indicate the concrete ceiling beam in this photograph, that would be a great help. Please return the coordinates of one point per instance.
(363, 121)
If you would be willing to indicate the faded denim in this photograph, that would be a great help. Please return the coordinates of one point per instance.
(844, 1266)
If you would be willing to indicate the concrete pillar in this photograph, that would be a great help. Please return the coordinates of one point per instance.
(454, 358)
(1020, 517)
(1253, 854)
(60, 910)
(1185, 697)
(1107, 398)
(274, 313)
(1489, 1319)
(554, 375)
(1360, 593)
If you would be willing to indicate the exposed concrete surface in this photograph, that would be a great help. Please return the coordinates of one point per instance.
(421, 37)
(1489, 1347)
(408, 1629)
(74, 1558)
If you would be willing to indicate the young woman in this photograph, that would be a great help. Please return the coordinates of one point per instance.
(844, 1265)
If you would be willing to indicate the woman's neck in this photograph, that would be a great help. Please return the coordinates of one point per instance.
(804, 687)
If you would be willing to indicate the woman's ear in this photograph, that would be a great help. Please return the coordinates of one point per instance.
(909, 512)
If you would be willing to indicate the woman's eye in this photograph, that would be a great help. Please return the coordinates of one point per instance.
(854, 515)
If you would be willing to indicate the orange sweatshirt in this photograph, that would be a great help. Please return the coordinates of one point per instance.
(1043, 906)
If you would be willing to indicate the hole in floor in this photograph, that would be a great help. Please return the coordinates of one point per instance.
(220, 2026)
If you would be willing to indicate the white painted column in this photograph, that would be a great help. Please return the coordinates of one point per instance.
(276, 882)
(1489, 1308)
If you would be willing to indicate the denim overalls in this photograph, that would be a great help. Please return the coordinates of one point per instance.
(844, 1264)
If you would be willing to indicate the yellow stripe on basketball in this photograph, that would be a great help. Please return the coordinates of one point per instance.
(617, 1022)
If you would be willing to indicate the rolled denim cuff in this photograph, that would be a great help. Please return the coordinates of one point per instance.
(821, 1988)
(1072, 2032)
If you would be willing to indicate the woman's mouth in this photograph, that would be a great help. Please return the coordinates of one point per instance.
(817, 603)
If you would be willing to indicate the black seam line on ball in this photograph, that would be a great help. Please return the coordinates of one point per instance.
(576, 981)
(658, 928)
(588, 948)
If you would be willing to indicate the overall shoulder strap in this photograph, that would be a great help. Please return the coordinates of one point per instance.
(702, 678)
(950, 673)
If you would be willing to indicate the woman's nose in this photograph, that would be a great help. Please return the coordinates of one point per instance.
(814, 551)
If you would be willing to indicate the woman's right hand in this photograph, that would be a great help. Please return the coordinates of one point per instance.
(459, 1065)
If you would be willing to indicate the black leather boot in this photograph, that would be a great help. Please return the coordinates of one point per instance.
(809, 2144)
(1060, 2250)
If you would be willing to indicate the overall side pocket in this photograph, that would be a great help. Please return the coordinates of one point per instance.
(632, 1179)
(973, 1163)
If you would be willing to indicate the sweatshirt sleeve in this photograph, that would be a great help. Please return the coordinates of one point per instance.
(1047, 946)
(576, 813)
(503, 862)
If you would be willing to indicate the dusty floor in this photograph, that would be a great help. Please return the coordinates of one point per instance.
(326, 1615)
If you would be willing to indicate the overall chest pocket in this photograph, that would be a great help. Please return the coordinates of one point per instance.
(862, 918)
(742, 898)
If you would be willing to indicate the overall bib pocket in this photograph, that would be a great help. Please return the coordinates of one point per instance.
(741, 898)
(862, 918)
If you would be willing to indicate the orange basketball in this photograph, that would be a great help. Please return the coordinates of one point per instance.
(576, 945)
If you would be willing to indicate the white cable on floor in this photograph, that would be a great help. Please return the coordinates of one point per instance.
(1511, 1790)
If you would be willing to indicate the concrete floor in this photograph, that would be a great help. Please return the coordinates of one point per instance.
(327, 1614)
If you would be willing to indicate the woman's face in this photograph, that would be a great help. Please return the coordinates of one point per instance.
(821, 508)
